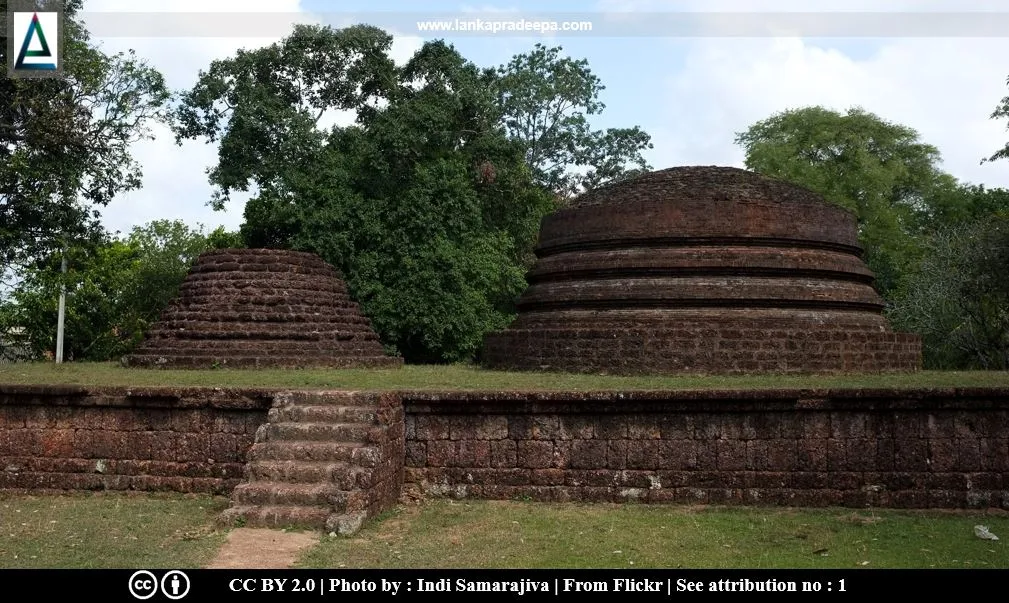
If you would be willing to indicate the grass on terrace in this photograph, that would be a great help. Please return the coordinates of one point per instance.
(512, 534)
(461, 377)
(108, 530)
(114, 530)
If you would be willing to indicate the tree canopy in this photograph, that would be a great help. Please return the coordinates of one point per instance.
(65, 143)
(880, 170)
(544, 99)
(116, 288)
(935, 244)
(431, 201)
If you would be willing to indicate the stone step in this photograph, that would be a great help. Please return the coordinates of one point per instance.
(251, 331)
(327, 397)
(342, 475)
(198, 349)
(155, 359)
(247, 281)
(316, 413)
(212, 296)
(251, 275)
(287, 494)
(180, 316)
(323, 432)
(255, 272)
(294, 316)
(275, 516)
(282, 295)
(349, 452)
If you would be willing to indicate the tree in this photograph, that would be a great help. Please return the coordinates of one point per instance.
(115, 290)
(426, 207)
(879, 170)
(954, 203)
(958, 298)
(1001, 112)
(65, 143)
(263, 105)
(430, 203)
(545, 99)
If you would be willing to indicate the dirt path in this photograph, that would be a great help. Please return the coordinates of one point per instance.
(248, 548)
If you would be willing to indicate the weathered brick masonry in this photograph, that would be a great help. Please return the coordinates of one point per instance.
(248, 308)
(340, 456)
(76, 438)
(315, 458)
(701, 270)
(925, 448)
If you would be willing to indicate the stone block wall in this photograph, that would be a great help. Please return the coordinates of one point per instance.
(723, 348)
(925, 448)
(73, 438)
(913, 448)
(387, 480)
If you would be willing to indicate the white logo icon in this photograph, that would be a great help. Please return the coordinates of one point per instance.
(175, 585)
(143, 584)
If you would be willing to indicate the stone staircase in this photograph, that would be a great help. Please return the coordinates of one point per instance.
(324, 460)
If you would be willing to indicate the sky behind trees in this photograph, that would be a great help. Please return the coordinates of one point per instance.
(692, 94)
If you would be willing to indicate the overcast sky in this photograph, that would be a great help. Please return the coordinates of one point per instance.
(692, 94)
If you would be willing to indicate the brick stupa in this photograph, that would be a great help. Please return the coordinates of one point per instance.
(701, 270)
(249, 308)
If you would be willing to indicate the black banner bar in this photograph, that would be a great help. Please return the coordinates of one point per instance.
(160, 585)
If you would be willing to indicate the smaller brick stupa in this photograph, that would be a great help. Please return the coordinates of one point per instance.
(251, 308)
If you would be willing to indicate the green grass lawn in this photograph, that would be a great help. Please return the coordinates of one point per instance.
(108, 530)
(499, 534)
(161, 530)
(466, 378)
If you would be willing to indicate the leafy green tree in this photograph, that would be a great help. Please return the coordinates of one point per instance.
(426, 207)
(880, 170)
(220, 238)
(65, 143)
(545, 100)
(430, 203)
(953, 203)
(958, 299)
(115, 290)
(1001, 112)
(263, 105)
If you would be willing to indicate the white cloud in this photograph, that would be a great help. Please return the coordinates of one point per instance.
(175, 184)
(944, 88)
(770, 6)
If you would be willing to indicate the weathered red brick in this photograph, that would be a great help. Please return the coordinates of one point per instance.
(534, 454)
(588, 454)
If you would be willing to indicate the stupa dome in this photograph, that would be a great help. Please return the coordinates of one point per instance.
(262, 308)
(701, 270)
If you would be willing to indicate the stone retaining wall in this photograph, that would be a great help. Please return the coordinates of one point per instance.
(923, 448)
(915, 448)
(75, 438)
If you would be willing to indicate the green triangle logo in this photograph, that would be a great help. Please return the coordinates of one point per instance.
(35, 29)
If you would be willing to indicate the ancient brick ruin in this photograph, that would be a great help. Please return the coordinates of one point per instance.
(701, 270)
(332, 459)
(243, 308)
(324, 459)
